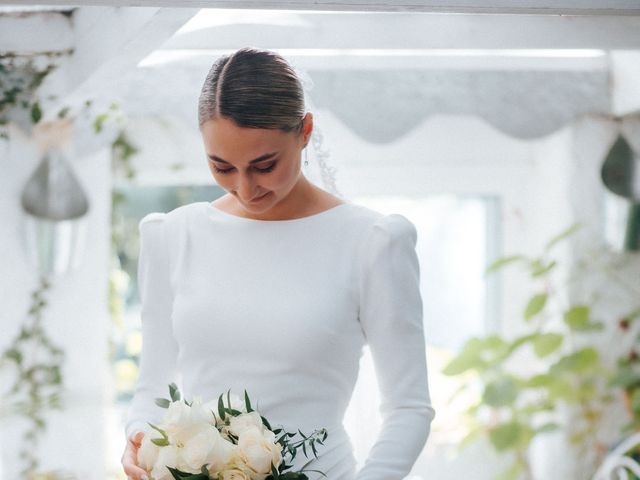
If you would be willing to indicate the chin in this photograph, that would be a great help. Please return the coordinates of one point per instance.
(260, 204)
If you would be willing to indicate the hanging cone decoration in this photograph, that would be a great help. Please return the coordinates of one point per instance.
(620, 174)
(55, 205)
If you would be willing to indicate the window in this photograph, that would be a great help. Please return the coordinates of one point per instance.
(456, 237)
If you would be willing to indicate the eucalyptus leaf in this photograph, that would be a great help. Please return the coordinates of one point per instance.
(221, 412)
(174, 393)
(247, 403)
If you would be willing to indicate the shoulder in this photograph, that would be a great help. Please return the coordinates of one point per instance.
(162, 220)
(378, 226)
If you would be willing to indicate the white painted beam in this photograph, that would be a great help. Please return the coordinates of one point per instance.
(108, 42)
(548, 7)
(409, 31)
(385, 60)
(22, 33)
(625, 79)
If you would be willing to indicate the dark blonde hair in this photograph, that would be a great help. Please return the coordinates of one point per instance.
(255, 88)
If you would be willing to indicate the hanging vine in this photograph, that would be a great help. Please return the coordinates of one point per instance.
(36, 360)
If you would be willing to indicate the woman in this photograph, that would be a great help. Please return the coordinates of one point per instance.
(276, 286)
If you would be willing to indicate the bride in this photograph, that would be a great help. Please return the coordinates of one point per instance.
(276, 286)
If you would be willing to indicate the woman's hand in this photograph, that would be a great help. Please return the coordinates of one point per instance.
(130, 458)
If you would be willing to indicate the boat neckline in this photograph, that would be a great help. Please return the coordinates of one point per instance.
(215, 210)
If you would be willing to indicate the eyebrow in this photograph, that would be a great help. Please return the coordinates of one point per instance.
(255, 160)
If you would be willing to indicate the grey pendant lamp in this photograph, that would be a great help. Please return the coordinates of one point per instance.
(621, 176)
(55, 207)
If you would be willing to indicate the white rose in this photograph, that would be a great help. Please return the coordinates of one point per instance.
(181, 422)
(234, 474)
(238, 466)
(206, 447)
(258, 451)
(246, 420)
(148, 451)
(167, 455)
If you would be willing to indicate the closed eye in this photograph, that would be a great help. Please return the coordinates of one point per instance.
(261, 170)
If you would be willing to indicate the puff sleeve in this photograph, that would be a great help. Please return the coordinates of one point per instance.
(391, 317)
(157, 366)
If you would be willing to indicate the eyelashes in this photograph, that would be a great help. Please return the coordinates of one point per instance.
(260, 170)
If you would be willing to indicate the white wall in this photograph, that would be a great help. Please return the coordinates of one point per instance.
(77, 319)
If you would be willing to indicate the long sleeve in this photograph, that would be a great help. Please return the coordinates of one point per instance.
(159, 349)
(392, 321)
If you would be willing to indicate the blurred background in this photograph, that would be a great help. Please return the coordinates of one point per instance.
(508, 132)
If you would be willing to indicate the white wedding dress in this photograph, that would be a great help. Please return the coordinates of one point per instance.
(282, 309)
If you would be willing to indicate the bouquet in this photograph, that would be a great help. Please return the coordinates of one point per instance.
(236, 444)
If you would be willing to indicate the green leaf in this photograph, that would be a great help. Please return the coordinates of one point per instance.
(548, 427)
(535, 305)
(63, 112)
(559, 389)
(221, 412)
(565, 233)
(14, 354)
(247, 403)
(265, 422)
(577, 317)
(180, 475)
(161, 442)
(518, 342)
(500, 393)
(99, 121)
(502, 261)
(540, 380)
(547, 343)
(505, 436)
(469, 358)
(36, 112)
(163, 402)
(579, 361)
(158, 429)
(174, 393)
(635, 401)
(538, 267)
(511, 473)
(626, 377)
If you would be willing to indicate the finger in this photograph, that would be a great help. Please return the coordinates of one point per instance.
(136, 473)
(136, 439)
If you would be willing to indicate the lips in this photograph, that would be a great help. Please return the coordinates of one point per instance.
(258, 198)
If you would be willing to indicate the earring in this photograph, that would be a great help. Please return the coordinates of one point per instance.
(306, 156)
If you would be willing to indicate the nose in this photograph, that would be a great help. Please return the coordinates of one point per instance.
(245, 188)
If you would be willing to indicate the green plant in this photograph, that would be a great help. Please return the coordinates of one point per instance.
(627, 375)
(37, 360)
(526, 381)
(20, 78)
(38, 385)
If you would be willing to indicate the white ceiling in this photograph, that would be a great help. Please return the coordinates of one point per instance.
(525, 74)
